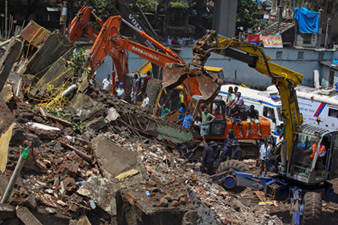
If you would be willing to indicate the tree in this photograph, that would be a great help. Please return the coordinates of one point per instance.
(245, 9)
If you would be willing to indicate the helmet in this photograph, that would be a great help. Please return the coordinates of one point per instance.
(121, 83)
(231, 131)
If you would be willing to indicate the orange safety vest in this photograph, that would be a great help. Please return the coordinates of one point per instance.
(314, 147)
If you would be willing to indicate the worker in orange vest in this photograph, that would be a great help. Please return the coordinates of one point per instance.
(311, 151)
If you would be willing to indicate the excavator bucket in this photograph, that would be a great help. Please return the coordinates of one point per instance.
(175, 74)
(209, 88)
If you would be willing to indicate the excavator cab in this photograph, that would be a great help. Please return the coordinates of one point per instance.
(313, 157)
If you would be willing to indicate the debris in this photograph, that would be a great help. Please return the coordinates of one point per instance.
(27, 217)
(8, 59)
(112, 115)
(43, 130)
(129, 173)
(6, 211)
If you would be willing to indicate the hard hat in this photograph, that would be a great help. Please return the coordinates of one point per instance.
(121, 83)
(231, 131)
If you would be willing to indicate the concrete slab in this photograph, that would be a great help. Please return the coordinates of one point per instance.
(112, 158)
(7, 60)
(27, 217)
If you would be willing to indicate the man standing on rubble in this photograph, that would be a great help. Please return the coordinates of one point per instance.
(207, 119)
(228, 146)
(209, 158)
(106, 84)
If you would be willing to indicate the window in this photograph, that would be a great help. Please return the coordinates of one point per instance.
(218, 110)
(307, 38)
(268, 112)
(300, 55)
(279, 54)
(333, 113)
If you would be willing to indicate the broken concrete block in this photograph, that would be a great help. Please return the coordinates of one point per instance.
(100, 191)
(82, 221)
(56, 75)
(7, 60)
(112, 158)
(127, 174)
(6, 211)
(97, 124)
(56, 46)
(27, 217)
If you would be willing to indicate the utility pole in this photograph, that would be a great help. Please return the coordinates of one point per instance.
(327, 32)
(6, 8)
(320, 27)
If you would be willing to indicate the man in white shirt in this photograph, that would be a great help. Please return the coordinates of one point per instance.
(264, 154)
(106, 84)
(145, 102)
(120, 91)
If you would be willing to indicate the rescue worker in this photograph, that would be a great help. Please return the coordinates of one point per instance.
(228, 147)
(311, 151)
(236, 150)
(207, 118)
(188, 119)
(209, 158)
(236, 118)
(120, 91)
(264, 155)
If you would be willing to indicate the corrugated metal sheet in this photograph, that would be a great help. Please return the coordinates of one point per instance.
(34, 33)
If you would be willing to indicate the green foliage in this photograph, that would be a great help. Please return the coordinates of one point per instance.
(78, 60)
(244, 14)
(178, 5)
(146, 5)
(104, 8)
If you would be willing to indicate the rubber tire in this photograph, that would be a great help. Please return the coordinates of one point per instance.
(235, 165)
(312, 208)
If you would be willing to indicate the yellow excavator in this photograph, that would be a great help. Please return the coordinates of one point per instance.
(309, 154)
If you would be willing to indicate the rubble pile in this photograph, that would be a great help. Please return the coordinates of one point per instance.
(100, 160)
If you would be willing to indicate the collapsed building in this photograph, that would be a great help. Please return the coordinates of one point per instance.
(95, 159)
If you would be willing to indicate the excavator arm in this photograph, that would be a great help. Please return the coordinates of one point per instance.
(285, 79)
(79, 26)
(196, 82)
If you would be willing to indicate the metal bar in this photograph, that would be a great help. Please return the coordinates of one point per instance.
(15, 174)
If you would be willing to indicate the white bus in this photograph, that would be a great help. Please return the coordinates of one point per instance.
(267, 103)
(318, 106)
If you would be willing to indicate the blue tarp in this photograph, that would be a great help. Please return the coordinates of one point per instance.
(307, 20)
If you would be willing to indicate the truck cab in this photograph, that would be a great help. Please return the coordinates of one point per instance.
(314, 155)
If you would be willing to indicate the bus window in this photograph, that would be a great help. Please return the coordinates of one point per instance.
(268, 112)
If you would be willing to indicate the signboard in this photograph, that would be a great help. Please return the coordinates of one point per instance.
(254, 38)
(273, 41)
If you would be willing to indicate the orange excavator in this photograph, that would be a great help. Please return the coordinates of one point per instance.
(196, 81)
(79, 26)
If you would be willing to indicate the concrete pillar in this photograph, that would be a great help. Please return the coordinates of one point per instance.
(224, 20)
(274, 7)
(7, 60)
(320, 28)
(279, 17)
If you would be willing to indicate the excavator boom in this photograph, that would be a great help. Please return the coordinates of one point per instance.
(284, 79)
(197, 82)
